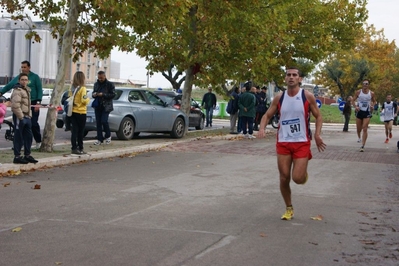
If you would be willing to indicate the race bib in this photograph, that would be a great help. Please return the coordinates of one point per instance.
(291, 129)
(364, 104)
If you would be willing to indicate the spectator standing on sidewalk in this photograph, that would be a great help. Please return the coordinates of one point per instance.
(389, 108)
(261, 107)
(294, 136)
(246, 104)
(79, 110)
(103, 93)
(36, 94)
(232, 109)
(395, 119)
(366, 100)
(22, 114)
(347, 113)
(209, 103)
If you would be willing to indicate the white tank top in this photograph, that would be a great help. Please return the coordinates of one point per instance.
(388, 111)
(293, 119)
(364, 100)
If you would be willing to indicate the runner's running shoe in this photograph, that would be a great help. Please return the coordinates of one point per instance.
(289, 214)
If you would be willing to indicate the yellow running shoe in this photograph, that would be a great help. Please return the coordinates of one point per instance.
(289, 214)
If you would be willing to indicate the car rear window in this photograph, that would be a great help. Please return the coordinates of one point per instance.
(118, 94)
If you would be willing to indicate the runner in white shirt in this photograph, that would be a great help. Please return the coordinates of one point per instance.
(388, 108)
(293, 138)
(366, 100)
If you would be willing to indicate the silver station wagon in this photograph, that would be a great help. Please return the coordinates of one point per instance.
(140, 110)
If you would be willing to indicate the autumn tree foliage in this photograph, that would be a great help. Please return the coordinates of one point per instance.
(215, 41)
(373, 58)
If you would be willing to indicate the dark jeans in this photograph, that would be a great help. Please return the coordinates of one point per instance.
(245, 120)
(102, 124)
(22, 135)
(35, 124)
(347, 118)
(239, 126)
(209, 115)
(78, 128)
(258, 118)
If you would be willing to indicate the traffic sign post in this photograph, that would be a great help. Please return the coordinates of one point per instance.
(318, 102)
(341, 106)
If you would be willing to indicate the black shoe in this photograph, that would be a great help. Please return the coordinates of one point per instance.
(76, 152)
(82, 152)
(20, 160)
(211, 124)
(30, 159)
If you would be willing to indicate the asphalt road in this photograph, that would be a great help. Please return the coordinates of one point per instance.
(208, 202)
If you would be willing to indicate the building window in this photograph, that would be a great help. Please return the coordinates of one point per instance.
(77, 67)
(88, 57)
(88, 72)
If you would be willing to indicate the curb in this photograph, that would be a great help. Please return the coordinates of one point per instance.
(9, 169)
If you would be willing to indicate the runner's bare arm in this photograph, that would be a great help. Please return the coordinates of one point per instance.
(319, 120)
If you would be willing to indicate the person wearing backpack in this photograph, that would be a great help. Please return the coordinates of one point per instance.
(232, 109)
(80, 100)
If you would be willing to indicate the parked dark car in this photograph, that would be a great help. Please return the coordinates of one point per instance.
(196, 117)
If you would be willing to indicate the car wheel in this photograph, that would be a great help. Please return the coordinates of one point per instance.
(59, 123)
(201, 124)
(126, 129)
(178, 128)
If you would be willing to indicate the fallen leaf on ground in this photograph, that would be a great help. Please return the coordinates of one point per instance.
(58, 263)
(13, 172)
(6, 184)
(263, 235)
(317, 218)
(31, 181)
(37, 186)
(17, 229)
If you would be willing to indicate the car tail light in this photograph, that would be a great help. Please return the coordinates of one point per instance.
(177, 106)
(60, 109)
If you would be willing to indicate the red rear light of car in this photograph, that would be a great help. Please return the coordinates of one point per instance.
(177, 106)
(59, 108)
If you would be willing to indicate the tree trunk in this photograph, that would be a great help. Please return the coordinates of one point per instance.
(188, 88)
(65, 57)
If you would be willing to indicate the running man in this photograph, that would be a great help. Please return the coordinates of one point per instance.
(389, 108)
(365, 101)
(294, 136)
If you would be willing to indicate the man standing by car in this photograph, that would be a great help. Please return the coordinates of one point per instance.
(103, 93)
(209, 102)
(36, 94)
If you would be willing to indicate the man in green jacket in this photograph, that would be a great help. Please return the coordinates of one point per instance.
(246, 103)
(36, 94)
